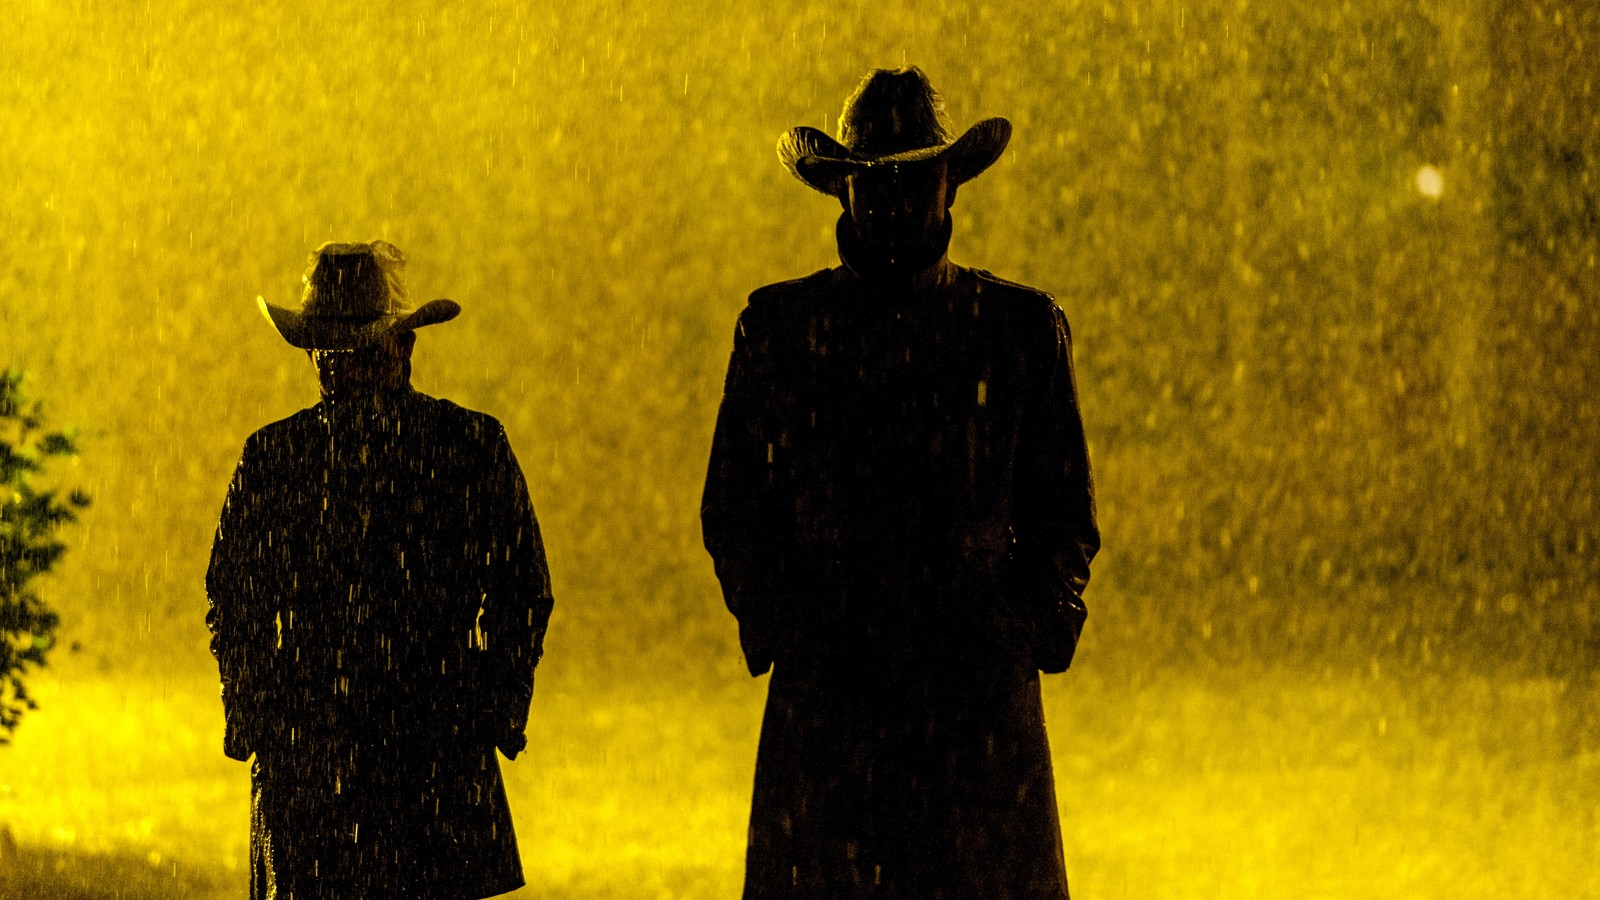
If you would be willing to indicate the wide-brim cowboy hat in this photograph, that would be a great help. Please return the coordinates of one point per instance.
(894, 117)
(353, 297)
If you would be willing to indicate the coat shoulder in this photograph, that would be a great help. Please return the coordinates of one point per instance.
(991, 284)
(782, 294)
(477, 434)
(445, 418)
(470, 421)
(283, 430)
(776, 308)
(1030, 303)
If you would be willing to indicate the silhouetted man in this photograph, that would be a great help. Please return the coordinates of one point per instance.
(379, 597)
(900, 512)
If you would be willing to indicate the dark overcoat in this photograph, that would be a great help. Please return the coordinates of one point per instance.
(378, 601)
(900, 512)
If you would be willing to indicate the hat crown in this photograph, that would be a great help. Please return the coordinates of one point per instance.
(354, 281)
(894, 111)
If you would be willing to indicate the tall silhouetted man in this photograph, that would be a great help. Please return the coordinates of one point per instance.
(900, 512)
(379, 597)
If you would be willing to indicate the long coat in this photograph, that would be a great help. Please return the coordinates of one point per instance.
(900, 512)
(378, 601)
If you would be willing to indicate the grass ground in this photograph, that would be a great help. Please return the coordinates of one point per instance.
(1275, 783)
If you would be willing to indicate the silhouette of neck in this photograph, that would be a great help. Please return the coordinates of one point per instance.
(346, 376)
(910, 266)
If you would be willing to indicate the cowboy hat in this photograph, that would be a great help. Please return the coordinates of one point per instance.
(894, 116)
(353, 297)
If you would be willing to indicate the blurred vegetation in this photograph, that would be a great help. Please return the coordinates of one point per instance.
(29, 547)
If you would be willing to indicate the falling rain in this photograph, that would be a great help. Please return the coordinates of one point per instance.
(1331, 274)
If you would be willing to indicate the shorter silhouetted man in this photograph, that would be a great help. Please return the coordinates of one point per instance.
(900, 512)
(379, 597)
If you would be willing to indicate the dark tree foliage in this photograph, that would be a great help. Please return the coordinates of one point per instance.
(29, 520)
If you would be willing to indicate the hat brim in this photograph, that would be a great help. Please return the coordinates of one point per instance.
(325, 333)
(823, 163)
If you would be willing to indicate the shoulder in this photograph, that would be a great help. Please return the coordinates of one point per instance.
(778, 309)
(274, 448)
(1030, 305)
(451, 418)
(788, 298)
(795, 290)
(991, 285)
(282, 432)
(454, 413)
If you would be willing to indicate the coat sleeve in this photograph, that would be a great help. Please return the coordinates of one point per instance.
(1054, 528)
(242, 593)
(517, 601)
(736, 513)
